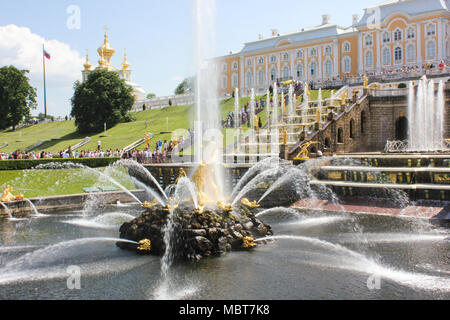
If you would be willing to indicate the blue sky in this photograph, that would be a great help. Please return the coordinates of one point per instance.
(158, 36)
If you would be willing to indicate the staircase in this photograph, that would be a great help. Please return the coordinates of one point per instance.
(421, 177)
(80, 144)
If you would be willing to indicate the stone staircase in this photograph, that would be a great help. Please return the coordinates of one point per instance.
(421, 177)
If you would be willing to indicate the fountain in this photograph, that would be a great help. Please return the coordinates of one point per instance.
(426, 116)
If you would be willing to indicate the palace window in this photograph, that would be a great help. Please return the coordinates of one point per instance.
(299, 71)
(235, 81)
(347, 47)
(347, 65)
(369, 40)
(261, 77)
(369, 58)
(249, 62)
(313, 52)
(386, 37)
(273, 75)
(299, 54)
(411, 52)
(286, 72)
(273, 59)
(411, 33)
(431, 49)
(386, 56)
(398, 55)
(431, 29)
(249, 79)
(224, 67)
(313, 69)
(398, 35)
(286, 56)
(328, 50)
(328, 68)
(235, 65)
(224, 82)
(260, 60)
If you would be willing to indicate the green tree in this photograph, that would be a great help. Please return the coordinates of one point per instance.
(151, 95)
(103, 98)
(186, 86)
(17, 96)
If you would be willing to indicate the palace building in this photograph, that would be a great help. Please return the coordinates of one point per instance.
(389, 36)
(106, 52)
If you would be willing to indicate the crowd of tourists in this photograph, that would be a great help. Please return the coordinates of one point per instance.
(160, 154)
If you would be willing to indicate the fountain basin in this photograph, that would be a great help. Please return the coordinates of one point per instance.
(196, 235)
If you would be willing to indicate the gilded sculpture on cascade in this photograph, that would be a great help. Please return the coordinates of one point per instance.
(249, 204)
(7, 195)
(145, 245)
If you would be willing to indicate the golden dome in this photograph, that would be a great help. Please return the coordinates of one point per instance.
(125, 64)
(87, 65)
(102, 62)
(106, 51)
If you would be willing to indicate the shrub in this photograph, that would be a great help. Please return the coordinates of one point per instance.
(402, 86)
(27, 164)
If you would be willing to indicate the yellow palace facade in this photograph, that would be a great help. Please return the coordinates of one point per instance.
(389, 36)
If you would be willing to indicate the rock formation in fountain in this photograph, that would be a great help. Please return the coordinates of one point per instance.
(197, 233)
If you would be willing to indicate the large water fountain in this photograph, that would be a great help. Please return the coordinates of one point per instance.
(426, 107)
(308, 254)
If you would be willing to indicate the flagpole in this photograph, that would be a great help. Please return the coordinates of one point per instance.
(45, 87)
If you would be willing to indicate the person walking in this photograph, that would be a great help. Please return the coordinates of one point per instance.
(99, 145)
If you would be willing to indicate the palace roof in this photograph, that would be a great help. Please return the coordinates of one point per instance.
(410, 7)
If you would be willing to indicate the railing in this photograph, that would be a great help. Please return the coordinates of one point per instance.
(388, 92)
(160, 102)
(80, 144)
(396, 146)
(4, 145)
(134, 145)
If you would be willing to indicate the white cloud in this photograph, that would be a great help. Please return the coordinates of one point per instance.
(23, 49)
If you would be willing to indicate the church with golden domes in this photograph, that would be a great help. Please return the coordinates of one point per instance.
(106, 52)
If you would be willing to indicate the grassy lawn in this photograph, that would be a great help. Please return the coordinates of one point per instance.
(59, 136)
(41, 183)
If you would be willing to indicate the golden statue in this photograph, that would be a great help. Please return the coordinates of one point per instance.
(225, 207)
(366, 82)
(344, 97)
(318, 119)
(7, 195)
(146, 245)
(248, 242)
(149, 205)
(308, 93)
(247, 203)
(147, 140)
(285, 136)
(182, 174)
(205, 174)
(304, 153)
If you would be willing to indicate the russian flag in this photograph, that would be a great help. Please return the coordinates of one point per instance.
(47, 55)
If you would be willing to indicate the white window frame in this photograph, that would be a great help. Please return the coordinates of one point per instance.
(311, 69)
(386, 37)
(367, 62)
(299, 70)
(386, 54)
(398, 35)
(430, 32)
(347, 47)
(347, 65)
(396, 60)
(428, 47)
(411, 33)
(409, 52)
(328, 67)
(261, 77)
(235, 65)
